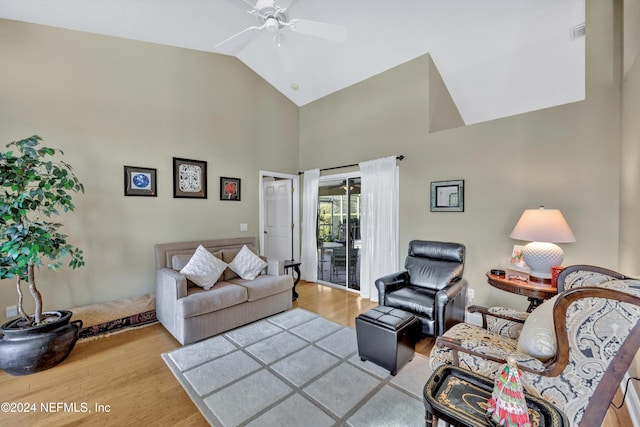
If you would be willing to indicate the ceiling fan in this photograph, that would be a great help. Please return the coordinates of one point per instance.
(273, 18)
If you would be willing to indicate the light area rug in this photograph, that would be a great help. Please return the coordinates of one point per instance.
(106, 319)
(296, 369)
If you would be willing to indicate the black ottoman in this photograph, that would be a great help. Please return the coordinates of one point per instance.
(387, 337)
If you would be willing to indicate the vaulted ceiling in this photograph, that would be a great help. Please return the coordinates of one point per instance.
(497, 58)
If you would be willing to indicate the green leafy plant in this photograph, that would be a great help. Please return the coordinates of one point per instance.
(33, 189)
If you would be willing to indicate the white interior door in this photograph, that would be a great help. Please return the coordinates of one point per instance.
(278, 230)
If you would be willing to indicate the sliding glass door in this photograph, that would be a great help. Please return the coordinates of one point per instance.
(338, 231)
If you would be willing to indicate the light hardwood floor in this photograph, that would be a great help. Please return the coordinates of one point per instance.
(123, 381)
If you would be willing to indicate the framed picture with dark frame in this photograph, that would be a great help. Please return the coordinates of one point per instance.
(140, 181)
(447, 196)
(229, 188)
(189, 178)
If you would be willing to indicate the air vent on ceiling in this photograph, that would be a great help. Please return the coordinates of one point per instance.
(578, 31)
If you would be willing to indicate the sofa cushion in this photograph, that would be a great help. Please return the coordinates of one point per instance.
(200, 301)
(227, 256)
(432, 273)
(416, 299)
(264, 286)
(179, 261)
(203, 268)
(247, 265)
(434, 265)
(538, 336)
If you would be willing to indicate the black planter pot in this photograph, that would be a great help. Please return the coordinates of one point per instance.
(33, 349)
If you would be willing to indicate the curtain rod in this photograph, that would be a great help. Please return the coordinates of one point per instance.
(400, 157)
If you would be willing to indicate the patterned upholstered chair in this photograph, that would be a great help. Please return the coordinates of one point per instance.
(577, 360)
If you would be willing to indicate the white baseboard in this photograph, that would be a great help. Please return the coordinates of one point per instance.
(632, 401)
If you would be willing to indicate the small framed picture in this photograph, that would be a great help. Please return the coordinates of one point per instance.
(516, 257)
(229, 188)
(447, 196)
(189, 178)
(140, 181)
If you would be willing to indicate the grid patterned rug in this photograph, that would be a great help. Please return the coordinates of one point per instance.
(296, 369)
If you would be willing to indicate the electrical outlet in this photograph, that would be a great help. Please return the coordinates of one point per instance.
(244, 227)
(471, 294)
(11, 311)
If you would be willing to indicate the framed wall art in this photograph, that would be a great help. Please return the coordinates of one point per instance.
(447, 196)
(189, 178)
(140, 181)
(229, 188)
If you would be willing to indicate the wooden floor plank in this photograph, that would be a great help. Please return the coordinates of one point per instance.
(126, 375)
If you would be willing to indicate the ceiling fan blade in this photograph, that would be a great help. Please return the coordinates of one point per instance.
(285, 4)
(319, 29)
(284, 53)
(247, 5)
(239, 41)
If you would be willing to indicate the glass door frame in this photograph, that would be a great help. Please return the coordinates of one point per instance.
(335, 177)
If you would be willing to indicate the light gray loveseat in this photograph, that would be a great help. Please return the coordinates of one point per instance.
(191, 313)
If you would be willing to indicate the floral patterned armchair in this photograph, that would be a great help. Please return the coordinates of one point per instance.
(577, 360)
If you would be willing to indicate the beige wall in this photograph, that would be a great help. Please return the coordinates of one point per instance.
(565, 157)
(630, 164)
(630, 161)
(110, 102)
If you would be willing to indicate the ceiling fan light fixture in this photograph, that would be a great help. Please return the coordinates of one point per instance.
(272, 24)
(273, 18)
(277, 39)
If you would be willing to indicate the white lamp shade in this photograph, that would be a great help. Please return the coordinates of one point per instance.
(543, 225)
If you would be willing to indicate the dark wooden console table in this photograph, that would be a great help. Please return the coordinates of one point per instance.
(536, 292)
(295, 265)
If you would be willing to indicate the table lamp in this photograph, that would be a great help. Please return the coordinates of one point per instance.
(542, 228)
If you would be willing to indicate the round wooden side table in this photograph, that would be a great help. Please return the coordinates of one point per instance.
(535, 292)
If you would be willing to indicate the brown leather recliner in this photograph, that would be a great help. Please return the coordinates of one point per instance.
(431, 287)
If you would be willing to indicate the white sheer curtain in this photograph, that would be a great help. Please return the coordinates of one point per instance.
(309, 245)
(379, 223)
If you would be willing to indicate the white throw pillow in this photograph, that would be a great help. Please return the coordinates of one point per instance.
(538, 336)
(203, 268)
(247, 264)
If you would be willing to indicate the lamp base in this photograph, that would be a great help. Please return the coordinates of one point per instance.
(540, 257)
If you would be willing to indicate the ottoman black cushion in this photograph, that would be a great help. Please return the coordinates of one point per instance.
(387, 337)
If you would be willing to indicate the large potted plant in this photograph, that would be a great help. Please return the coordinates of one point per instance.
(34, 189)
